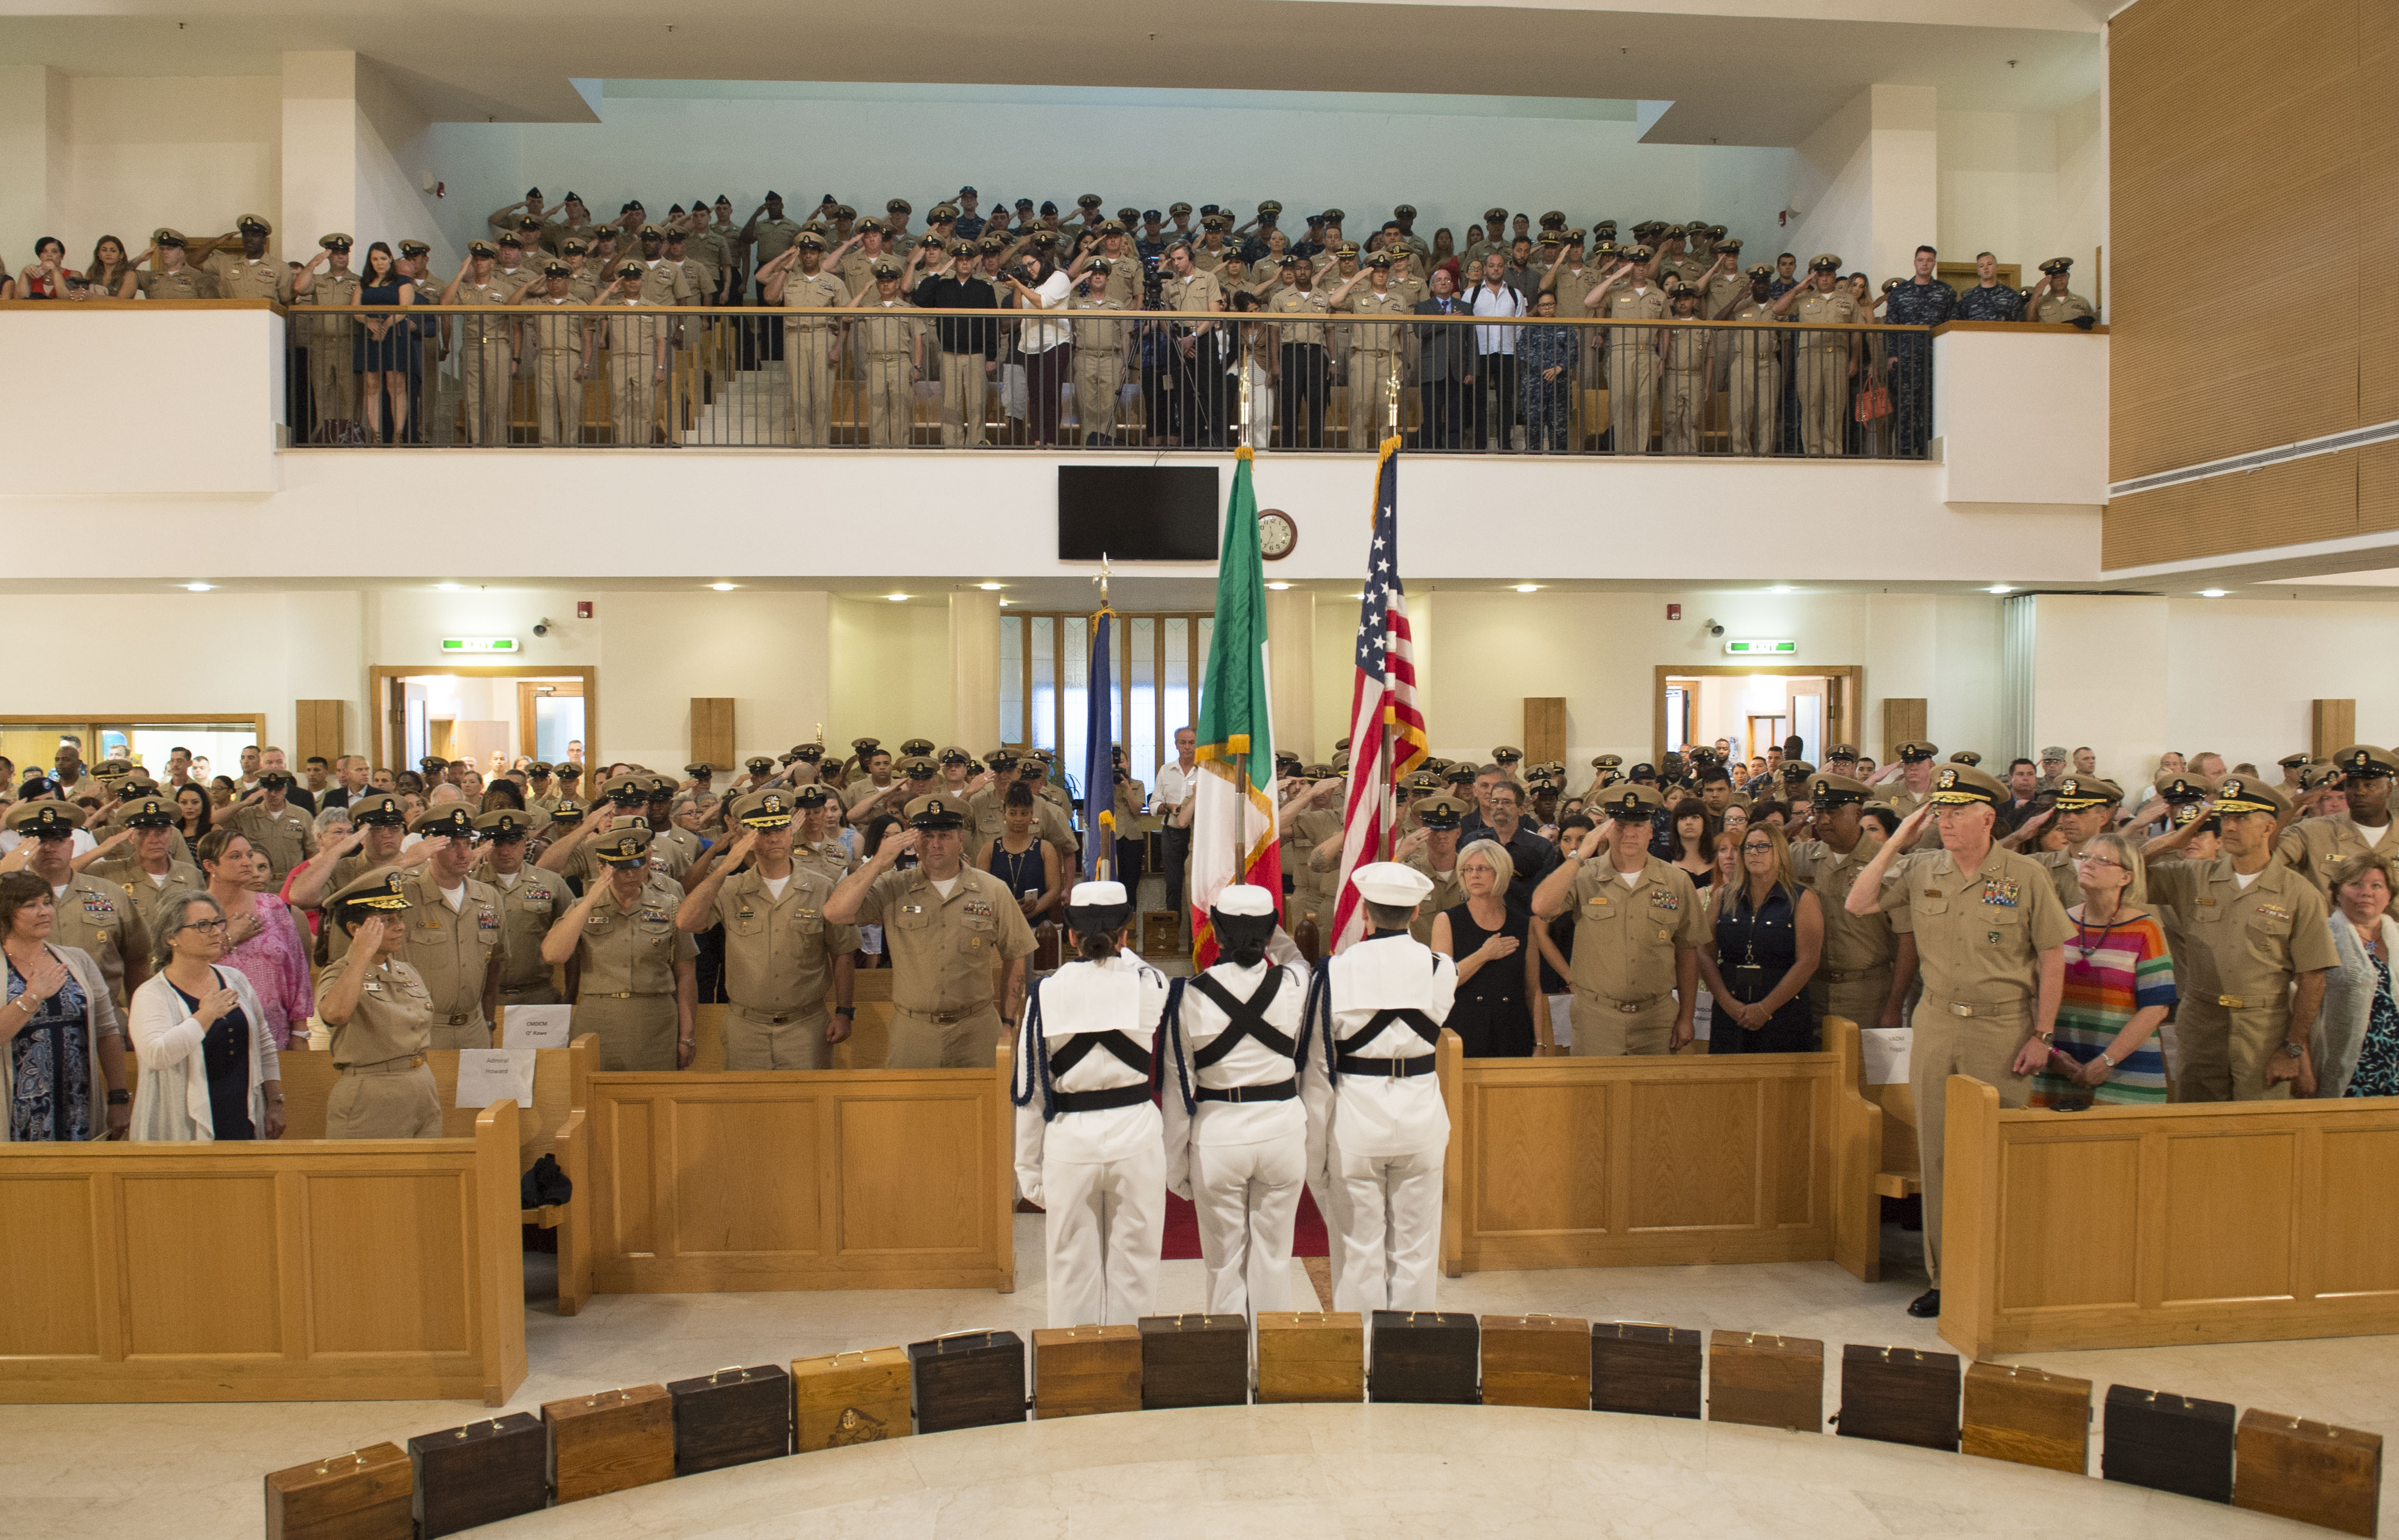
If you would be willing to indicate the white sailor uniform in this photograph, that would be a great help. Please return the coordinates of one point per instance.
(1090, 1147)
(1238, 1146)
(1376, 1129)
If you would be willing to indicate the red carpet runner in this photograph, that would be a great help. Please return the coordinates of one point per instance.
(1181, 1242)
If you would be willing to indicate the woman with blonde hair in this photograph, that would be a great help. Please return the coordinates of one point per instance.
(1498, 971)
(1766, 938)
(2119, 987)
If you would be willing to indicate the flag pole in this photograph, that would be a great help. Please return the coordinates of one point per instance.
(1237, 748)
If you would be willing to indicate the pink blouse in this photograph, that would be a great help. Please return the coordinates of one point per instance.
(277, 968)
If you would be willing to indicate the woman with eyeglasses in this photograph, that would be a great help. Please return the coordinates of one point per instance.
(1768, 938)
(209, 1066)
(2119, 987)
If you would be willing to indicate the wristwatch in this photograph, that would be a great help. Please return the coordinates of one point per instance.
(120, 1098)
(850, 1011)
(2290, 1051)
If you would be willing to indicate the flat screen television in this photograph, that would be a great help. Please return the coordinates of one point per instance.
(1138, 513)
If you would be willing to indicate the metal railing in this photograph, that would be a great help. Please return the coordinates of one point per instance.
(571, 376)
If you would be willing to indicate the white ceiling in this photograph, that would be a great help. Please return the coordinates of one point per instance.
(1737, 73)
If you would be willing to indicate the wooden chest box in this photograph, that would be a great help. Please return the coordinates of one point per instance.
(1765, 1381)
(1159, 930)
(480, 1474)
(365, 1495)
(611, 1441)
(1537, 1360)
(1425, 1356)
(1194, 1360)
(850, 1398)
(732, 1417)
(2310, 1471)
(970, 1379)
(2175, 1443)
(1643, 1368)
(1899, 1395)
(1081, 1369)
(2026, 1415)
(1311, 1356)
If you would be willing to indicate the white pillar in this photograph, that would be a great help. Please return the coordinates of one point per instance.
(1905, 147)
(34, 145)
(320, 151)
(974, 670)
(1291, 657)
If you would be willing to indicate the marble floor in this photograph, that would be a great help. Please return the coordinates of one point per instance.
(193, 1472)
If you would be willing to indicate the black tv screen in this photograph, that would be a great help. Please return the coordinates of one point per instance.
(1138, 513)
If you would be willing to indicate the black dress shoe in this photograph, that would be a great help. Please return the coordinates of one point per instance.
(1925, 1305)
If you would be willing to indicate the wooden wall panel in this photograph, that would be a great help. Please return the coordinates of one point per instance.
(1545, 729)
(712, 731)
(2293, 502)
(2239, 1222)
(2377, 485)
(2377, 245)
(54, 1289)
(201, 1258)
(2332, 726)
(1903, 718)
(317, 731)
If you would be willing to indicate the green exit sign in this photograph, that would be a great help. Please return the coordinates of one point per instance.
(1761, 648)
(478, 644)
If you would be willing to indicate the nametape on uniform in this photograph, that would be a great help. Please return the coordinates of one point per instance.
(486, 1075)
(1884, 1053)
(536, 1026)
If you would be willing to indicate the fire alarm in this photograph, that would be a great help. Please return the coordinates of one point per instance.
(583, 608)
(1673, 612)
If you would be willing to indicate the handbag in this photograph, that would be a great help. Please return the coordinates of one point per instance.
(1874, 403)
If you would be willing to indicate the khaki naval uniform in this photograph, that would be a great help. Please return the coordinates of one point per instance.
(554, 330)
(633, 339)
(779, 964)
(2063, 308)
(1099, 361)
(944, 953)
(1853, 979)
(1685, 394)
(529, 902)
(1631, 376)
(286, 839)
(184, 283)
(2313, 847)
(1447, 894)
(1979, 936)
(987, 820)
(626, 988)
(385, 1089)
(2244, 948)
(331, 386)
(1627, 941)
(1312, 889)
(485, 350)
(240, 278)
(884, 348)
(101, 918)
(149, 893)
(454, 951)
(1755, 381)
(1373, 361)
(829, 858)
(1824, 380)
(808, 347)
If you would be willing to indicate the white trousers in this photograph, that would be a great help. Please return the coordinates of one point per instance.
(1247, 1198)
(1106, 1222)
(1387, 1209)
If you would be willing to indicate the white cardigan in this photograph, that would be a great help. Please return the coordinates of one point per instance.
(99, 1020)
(2348, 1004)
(171, 1099)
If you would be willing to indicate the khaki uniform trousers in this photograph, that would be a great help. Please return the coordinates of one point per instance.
(890, 400)
(921, 1040)
(483, 379)
(806, 361)
(2224, 1051)
(1823, 391)
(1099, 381)
(1604, 1028)
(1370, 375)
(637, 1032)
(633, 395)
(473, 1033)
(557, 398)
(1632, 407)
(1684, 396)
(395, 1100)
(1983, 1045)
(1855, 996)
(1757, 403)
(770, 1040)
(962, 399)
(334, 388)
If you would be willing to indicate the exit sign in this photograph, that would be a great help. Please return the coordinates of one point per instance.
(478, 644)
(1761, 648)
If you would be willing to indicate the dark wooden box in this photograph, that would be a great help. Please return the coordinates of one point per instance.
(609, 1443)
(1081, 1369)
(972, 1379)
(2173, 1443)
(1425, 1356)
(1194, 1360)
(731, 1418)
(2028, 1415)
(1765, 1381)
(1652, 1370)
(1537, 1360)
(1311, 1356)
(480, 1474)
(365, 1495)
(2313, 1472)
(1900, 1396)
(856, 1398)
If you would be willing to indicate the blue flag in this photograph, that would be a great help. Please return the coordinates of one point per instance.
(1099, 764)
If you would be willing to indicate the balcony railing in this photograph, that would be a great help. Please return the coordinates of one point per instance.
(538, 376)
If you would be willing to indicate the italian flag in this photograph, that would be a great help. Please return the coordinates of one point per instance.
(1233, 834)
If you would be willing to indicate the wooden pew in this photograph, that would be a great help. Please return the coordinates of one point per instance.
(1875, 1152)
(1637, 1162)
(293, 1271)
(2149, 1227)
(555, 1125)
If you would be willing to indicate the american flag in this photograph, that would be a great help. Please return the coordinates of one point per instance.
(1386, 735)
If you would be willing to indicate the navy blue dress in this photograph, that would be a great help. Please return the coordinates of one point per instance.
(395, 352)
(1754, 948)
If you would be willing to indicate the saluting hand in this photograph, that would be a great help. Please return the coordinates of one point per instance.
(1912, 825)
(370, 933)
(1592, 842)
(895, 844)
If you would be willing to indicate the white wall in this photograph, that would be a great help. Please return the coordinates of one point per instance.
(1832, 186)
(190, 152)
(2025, 186)
(890, 674)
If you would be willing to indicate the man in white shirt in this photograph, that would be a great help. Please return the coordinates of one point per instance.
(1172, 787)
(1495, 350)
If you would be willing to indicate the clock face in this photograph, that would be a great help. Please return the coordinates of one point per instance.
(1277, 535)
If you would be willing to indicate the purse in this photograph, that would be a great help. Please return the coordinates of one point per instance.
(1874, 403)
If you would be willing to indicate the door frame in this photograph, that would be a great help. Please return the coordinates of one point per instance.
(380, 675)
(1845, 688)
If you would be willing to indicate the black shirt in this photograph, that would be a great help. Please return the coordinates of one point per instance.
(961, 333)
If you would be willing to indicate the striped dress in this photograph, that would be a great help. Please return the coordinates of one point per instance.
(2112, 972)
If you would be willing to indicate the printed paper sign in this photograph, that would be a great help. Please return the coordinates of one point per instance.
(536, 1026)
(1884, 1049)
(486, 1075)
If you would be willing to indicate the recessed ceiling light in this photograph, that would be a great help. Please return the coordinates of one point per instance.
(896, 598)
(1278, 586)
(2000, 587)
(1005, 603)
(200, 587)
(1782, 587)
(722, 587)
(448, 587)
(2213, 593)
(991, 587)
(1528, 587)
